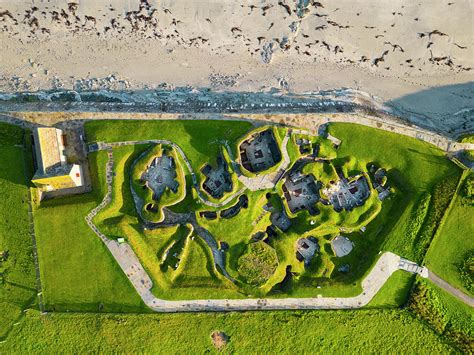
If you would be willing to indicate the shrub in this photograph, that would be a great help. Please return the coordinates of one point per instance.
(441, 313)
(441, 196)
(415, 224)
(467, 192)
(466, 269)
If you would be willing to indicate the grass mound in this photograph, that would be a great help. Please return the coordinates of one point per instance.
(258, 264)
(151, 205)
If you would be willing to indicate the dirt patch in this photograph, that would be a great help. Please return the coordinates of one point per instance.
(219, 339)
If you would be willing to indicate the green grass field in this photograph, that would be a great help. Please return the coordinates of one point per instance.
(79, 274)
(17, 276)
(199, 142)
(250, 332)
(77, 270)
(454, 242)
(395, 291)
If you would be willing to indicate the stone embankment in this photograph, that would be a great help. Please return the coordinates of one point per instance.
(307, 121)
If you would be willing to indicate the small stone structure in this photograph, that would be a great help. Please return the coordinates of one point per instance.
(379, 181)
(280, 220)
(260, 152)
(301, 193)
(235, 209)
(218, 180)
(346, 194)
(161, 174)
(306, 249)
(341, 246)
(219, 339)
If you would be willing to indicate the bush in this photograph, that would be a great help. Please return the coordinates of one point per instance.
(258, 264)
(425, 303)
(441, 196)
(466, 269)
(467, 192)
(415, 224)
(443, 313)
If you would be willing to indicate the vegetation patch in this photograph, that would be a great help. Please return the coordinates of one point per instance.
(445, 314)
(258, 264)
(450, 251)
(17, 275)
(441, 197)
(466, 269)
(415, 224)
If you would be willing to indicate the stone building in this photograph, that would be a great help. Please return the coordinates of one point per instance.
(53, 172)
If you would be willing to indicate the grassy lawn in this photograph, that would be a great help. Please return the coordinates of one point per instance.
(454, 242)
(415, 169)
(345, 331)
(77, 270)
(395, 291)
(17, 276)
(200, 140)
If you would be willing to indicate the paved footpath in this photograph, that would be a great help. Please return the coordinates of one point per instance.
(450, 289)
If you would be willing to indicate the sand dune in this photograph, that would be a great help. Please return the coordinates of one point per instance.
(387, 48)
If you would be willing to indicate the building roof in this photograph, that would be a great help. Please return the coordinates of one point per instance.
(48, 148)
(53, 172)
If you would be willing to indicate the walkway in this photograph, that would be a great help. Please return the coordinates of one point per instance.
(450, 289)
(31, 227)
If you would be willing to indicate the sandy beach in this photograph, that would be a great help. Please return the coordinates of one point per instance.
(416, 56)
